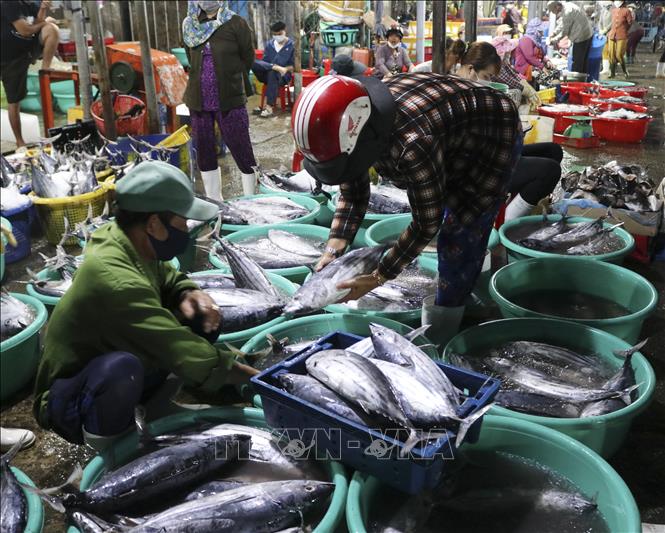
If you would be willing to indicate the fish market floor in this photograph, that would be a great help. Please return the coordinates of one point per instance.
(641, 461)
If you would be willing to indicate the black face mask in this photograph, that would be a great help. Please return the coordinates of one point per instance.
(175, 244)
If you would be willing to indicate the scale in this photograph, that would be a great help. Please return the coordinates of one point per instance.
(579, 134)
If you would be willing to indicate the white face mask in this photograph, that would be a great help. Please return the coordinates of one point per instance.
(393, 46)
(279, 39)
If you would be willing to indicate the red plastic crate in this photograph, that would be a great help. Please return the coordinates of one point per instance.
(572, 142)
(621, 130)
(603, 93)
(560, 120)
(604, 105)
(573, 89)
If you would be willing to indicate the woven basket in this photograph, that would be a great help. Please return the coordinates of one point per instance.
(53, 211)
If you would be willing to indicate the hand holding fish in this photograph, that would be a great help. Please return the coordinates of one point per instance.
(240, 374)
(339, 245)
(360, 286)
(200, 303)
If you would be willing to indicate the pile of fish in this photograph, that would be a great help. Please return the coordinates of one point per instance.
(613, 185)
(547, 380)
(14, 512)
(627, 99)
(561, 237)
(16, 315)
(382, 381)
(299, 182)
(387, 200)
(565, 108)
(210, 478)
(261, 210)
(280, 249)
(404, 293)
(14, 174)
(622, 113)
(83, 230)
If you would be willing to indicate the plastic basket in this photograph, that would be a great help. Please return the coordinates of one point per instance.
(561, 120)
(602, 93)
(181, 55)
(574, 142)
(180, 139)
(35, 521)
(604, 105)
(20, 220)
(574, 89)
(347, 441)
(124, 126)
(621, 130)
(547, 96)
(53, 211)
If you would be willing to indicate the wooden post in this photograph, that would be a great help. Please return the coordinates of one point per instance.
(101, 64)
(148, 73)
(78, 28)
(438, 36)
(470, 21)
(420, 31)
(297, 68)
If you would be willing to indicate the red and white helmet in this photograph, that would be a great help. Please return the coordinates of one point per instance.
(329, 116)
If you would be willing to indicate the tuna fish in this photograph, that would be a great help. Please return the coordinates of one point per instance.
(272, 209)
(15, 315)
(214, 281)
(259, 508)
(388, 200)
(300, 182)
(295, 244)
(212, 488)
(14, 503)
(537, 404)
(321, 289)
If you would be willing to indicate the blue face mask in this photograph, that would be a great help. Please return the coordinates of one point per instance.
(175, 244)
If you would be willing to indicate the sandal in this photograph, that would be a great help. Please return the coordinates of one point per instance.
(266, 113)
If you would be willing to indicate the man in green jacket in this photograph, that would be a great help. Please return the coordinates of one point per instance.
(115, 336)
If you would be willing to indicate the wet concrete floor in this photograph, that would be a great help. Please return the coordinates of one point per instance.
(640, 462)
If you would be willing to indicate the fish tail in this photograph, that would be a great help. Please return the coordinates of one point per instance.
(415, 436)
(47, 495)
(627, 354)
(414, 334)
(626, 394)
(16, 447)
(466, 424)
(53, 501)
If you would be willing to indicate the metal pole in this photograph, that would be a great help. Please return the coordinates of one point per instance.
(101, 64)
(438, 36)
(148, 74)
(297, 74)
(168, 34)
(154, 24)
(470, 21)
(78, 27)
(142, 9)
(177, 16)
(420, 31)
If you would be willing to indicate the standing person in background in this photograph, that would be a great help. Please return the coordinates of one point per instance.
(219, 47)
(635, 34)
(604, 26)
(276, 66)
(390, 58)
(512, 18)
(617, 37)
(572, 22)
(26, 34)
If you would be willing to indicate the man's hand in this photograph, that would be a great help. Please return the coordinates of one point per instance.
(240, 374)
(279, 69)
(198, 302)
(336, 244)
(360, 286)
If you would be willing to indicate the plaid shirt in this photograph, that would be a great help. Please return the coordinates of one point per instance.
(451, 147)
(509, 76)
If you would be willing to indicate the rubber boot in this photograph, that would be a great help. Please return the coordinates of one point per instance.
(104, 445)
(161, 403)
(660, 70)
(625, 70)
(606, 67)
(10, 436)
(444, 321)
(518, 207)
(248, 184)
(212, 183)
(613, 70)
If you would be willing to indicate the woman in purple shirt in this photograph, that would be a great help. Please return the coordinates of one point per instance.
(391, 58)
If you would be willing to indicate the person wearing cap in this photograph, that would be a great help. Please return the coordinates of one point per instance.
(344, 65)
(130, 318)
(617, 37)
(391, 57)
(451, 143)
(572, 22)
(512, 19)
(508, 75)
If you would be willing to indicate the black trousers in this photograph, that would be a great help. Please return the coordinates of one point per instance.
(537, 172)
(581, 56)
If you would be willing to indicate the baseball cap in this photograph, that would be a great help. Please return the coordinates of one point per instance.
(156, 186)
(344, 65)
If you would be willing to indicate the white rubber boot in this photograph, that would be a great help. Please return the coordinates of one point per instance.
(518, 207)
(660, 70)
(248, 183)
(606, 67)
(444, 321)
(103, 445)
(10, 436)
(212, 183)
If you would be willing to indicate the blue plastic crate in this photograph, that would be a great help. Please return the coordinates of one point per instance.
(21, 219)
(309, 427)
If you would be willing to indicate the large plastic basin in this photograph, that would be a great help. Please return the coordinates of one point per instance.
(581, 466)
(517, 252)
(296, 274)
(603, 434)
(124, 449)
(35, 522)
(20, 354)
(595, 278)
(325, 216)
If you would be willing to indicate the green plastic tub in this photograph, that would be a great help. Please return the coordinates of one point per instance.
(238, 338)
(19, 355)
(581, 466)
(51, 275)
(295, 274)
(370, 218)
(410, 318)
(33, 81)
(309, 203)
(320, 325)
(517, 252)
(603, 434)
(32, 103)
(63, 94)
(7, 225)
(124, 449)
(181, 55)
(596, 278)
(325, 216)
(35, 522)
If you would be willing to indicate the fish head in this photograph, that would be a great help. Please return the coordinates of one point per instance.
(306, 494)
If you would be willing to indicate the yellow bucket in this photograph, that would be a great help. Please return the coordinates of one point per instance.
(177, 138)
(53, 211)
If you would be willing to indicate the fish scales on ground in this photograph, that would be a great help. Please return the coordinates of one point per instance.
(14, 512)
(321, 289)
(15, 315)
